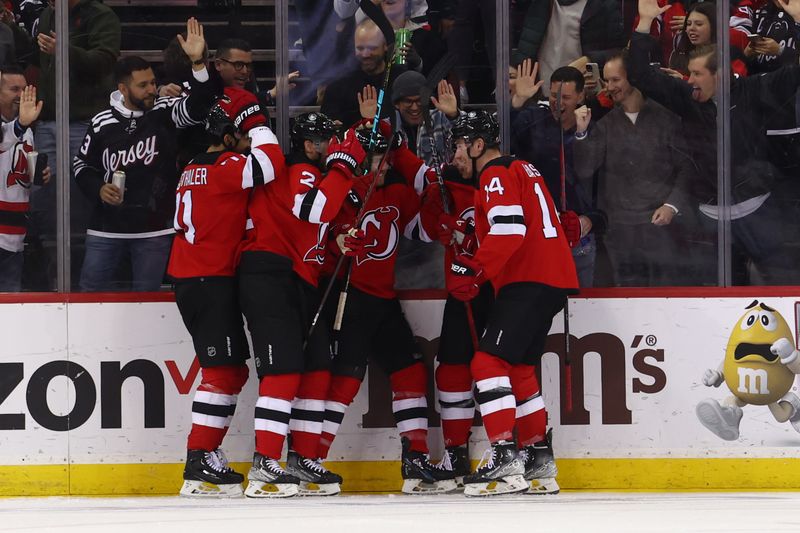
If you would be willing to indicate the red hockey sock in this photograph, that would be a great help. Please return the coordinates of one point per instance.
(410, 406)
(495, 397)
(308, 412)
(273, 411)
(531, 414)
(457, 406)
(214, 405)
(340, 394)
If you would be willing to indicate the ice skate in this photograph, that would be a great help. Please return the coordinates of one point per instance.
(721, 420)
(267, 479)
(420, 476)
(315, 479)
(502, 473)
(207, 475)
(540, 467)
(455, 461)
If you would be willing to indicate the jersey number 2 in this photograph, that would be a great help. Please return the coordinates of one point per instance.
(184, 223)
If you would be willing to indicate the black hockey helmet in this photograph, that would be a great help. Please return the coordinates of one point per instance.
(313, 127)
(476, 125)
(364, 134)
(218, 123)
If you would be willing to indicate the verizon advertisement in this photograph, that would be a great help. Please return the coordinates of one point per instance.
(91, 383)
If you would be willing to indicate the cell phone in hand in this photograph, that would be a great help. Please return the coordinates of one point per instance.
(753, 36)
(594, 71)
(41, 164)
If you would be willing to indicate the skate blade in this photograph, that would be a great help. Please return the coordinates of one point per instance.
(204, 489)
(318, 489)
(710, 415)
(262, 489)
(417, 486)
(506, 485)
(543, 486)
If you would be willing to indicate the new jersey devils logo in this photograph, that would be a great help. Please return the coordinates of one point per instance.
(316, 254)
(380, 234)
(19, 166)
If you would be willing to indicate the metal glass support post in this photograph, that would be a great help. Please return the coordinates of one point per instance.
(503, 57)
(282, 71)
(63, 163)
(723, 101)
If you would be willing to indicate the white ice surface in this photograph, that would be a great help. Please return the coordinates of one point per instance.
(763, 512)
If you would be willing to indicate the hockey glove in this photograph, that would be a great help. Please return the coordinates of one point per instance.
(346, 155)
(350, 240)
(458, 231)
(243, 109)
(571, 224)
(464, 278)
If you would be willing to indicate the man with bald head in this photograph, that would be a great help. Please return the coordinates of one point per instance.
(340, 101)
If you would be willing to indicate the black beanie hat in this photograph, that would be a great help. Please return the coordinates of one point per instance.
(409, 83)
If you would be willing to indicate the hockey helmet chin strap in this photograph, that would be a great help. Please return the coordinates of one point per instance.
(475, 177)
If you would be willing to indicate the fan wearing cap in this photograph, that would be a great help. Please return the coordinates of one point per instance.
(374, 328)
(210, 217)
(278, 293)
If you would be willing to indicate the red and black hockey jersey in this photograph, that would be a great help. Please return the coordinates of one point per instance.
(391, 211)
(290, 216)
(211, 206)
(518, 229)
(461, 197)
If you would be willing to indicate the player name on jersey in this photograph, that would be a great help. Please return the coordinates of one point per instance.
(194, 176)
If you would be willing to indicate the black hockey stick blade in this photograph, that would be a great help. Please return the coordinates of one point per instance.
(377, 15)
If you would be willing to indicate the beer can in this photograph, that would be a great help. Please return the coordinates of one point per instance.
(401, 37)
(118, 179)
(31, 157)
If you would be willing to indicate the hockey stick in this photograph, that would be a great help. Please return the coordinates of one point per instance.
(437, 73)
(379, 18)
(563, 171)
(337, 321)
(340, 262)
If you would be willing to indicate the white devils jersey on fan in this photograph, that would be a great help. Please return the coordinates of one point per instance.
(15, 189)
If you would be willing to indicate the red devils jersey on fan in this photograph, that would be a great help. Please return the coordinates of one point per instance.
(211, 206)
(518, 229)
(290, 217)
(392, 211)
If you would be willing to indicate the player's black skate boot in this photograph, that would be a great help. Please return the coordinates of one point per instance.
(420, 476)
(267, 479)
(455, 461)
(540, 466)
(502, 473)
(315, 479)
(207, 475)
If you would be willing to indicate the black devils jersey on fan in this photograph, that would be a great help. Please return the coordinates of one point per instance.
(211, 206)
(518, 229)
(291, 216)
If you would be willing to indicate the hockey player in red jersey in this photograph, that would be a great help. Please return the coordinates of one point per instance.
(278, 294)
(524, 253)
(315, 202)
(373, 325)
(210, 216)
(456, 231)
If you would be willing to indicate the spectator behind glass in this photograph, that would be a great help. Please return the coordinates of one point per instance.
(94, 41)
(536, 133)
(340, 99)
(699, 29)
(757, 215)
(17, 174)
(570, 32)
(12, 83)
(640, 154)
(136, 135)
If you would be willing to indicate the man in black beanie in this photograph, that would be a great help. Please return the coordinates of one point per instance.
(409, 117)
